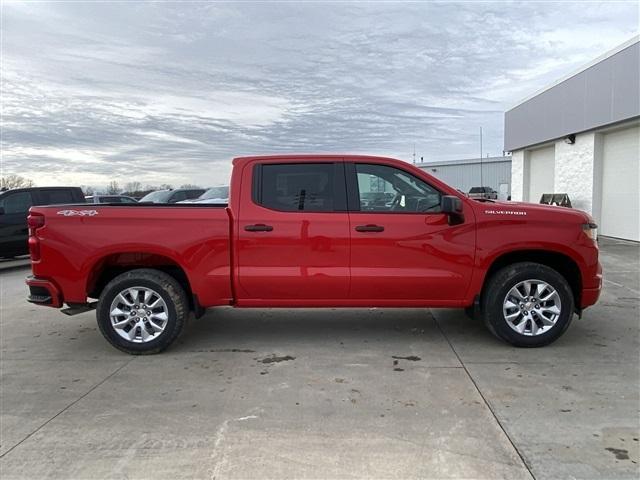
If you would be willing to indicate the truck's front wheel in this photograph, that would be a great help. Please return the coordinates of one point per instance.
(142, 311)
(527, 304)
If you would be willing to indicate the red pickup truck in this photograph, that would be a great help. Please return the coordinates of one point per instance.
(303, 231)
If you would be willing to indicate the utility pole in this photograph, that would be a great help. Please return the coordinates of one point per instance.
(414, 153)
(481, 179)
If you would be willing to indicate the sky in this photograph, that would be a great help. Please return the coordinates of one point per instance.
(170, 92)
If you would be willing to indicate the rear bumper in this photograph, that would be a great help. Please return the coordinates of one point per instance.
(43, 292)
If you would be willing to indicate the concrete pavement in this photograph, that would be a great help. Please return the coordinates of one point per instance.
(12, 263)
(378, 393)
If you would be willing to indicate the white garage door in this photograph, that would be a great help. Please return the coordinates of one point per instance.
(541, 173)
(620, 215)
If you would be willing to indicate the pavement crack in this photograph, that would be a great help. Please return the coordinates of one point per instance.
(486, 402)
(218, 455)
(66, 408)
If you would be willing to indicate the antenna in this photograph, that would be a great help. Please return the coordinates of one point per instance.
(481, 180)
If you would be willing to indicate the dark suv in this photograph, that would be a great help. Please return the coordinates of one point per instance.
(14, 208)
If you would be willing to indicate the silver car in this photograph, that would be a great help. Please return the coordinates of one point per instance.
(109, 199)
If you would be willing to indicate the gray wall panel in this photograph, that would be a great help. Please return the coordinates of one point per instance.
(605, 93)
(624, 103)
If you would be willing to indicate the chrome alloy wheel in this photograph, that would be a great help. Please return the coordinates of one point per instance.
(138, 314)
(532, 307)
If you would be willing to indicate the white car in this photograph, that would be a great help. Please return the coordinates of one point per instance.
(213, 195)
(172, 196)
(109, 199)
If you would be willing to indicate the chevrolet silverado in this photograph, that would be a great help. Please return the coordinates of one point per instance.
(301, 231)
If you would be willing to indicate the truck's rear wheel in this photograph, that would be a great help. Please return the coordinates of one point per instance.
(142, 311)
(527, 304)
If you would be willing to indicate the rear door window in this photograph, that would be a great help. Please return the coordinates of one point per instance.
(54, 196)
(191, 194)
(178, 197)
(300, 187)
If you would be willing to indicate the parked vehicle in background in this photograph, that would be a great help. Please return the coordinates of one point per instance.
(560, 199)
(172, 196)
(483, 192)
(14, 208)
(219, 195)
(109, 199)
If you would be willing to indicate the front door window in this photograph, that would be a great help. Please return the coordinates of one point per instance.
(391, 190)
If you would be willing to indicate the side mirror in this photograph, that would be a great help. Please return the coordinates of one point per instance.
(451, 205)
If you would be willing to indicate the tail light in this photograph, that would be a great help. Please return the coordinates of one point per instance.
(34, 222)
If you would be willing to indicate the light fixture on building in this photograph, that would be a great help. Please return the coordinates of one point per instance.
(434, 169)
(570, 139)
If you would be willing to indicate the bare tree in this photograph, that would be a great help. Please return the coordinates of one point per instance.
(189, 185)
(15, 181)
(113, 188)
(165, 186)
(133, 187)
(87, 190)
(146, 190)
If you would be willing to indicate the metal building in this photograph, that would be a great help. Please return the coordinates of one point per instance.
(581, 136)
(464, 174)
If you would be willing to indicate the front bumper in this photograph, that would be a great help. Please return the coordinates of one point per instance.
(43, 292)
(591, 295)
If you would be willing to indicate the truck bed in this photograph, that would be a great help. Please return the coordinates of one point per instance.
(79, 243)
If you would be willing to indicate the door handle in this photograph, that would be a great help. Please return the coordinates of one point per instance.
(369, 228)
(259, 227)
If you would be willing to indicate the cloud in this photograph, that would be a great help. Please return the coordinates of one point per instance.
(161, 92)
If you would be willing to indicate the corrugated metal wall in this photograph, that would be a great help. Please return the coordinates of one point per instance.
(467, 175)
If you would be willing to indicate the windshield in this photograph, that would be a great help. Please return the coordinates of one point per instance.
(215, 192)
(477, 190)
(160, 196)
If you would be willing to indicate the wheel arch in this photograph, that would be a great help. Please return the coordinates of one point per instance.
(560, 262)
(111, 265)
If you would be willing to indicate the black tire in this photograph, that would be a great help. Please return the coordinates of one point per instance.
(166, 287)
(499, 285)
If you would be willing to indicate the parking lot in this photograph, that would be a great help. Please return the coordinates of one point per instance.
(364, 393)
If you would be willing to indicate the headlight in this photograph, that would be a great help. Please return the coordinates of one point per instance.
(591, 231)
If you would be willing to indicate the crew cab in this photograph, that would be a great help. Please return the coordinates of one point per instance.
(299, 231)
